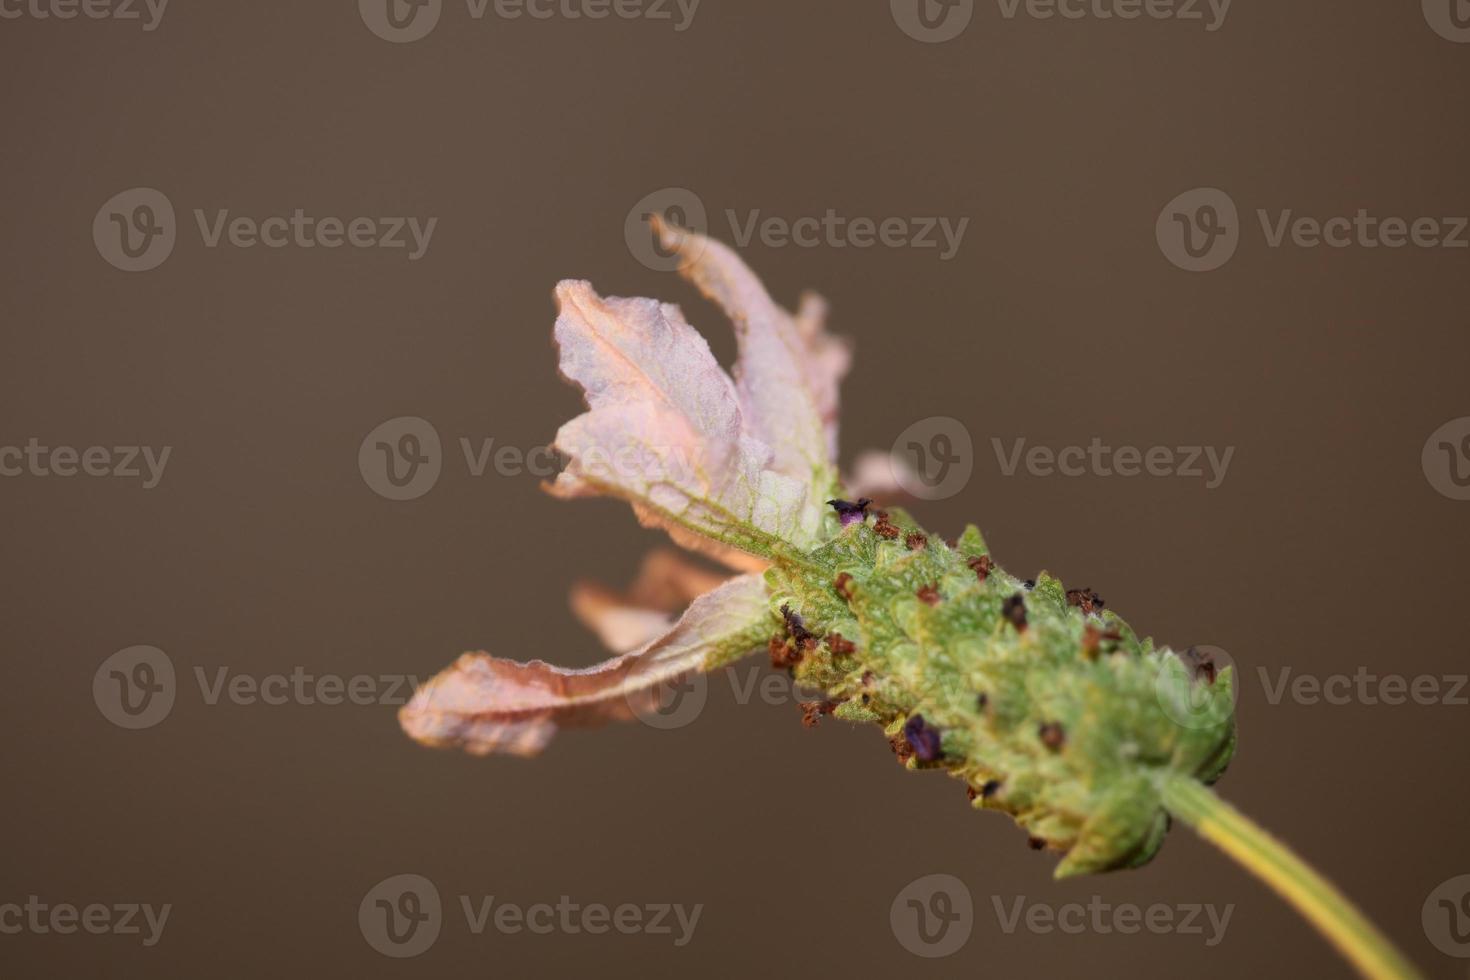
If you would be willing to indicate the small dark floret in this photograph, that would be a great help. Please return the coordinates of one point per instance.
(923, 738)
(812, 712)
(783, 654)
(840, 645)
(1094, 639)
(795, 628)
(1014, 610)
(930, 594)
(1085, 599)
(843, 585)
(1053, 736)
(1202, 665)
(849, 512)
(982, 566)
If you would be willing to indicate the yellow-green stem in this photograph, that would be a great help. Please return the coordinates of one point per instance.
(1270, 860)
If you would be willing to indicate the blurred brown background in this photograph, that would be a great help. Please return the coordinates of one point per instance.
(262, 550)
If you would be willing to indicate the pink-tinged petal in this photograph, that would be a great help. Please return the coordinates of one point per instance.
(620, 627)
(828, 360)
(788, 369)
(483, 704)
(666, 583)
(666, 430)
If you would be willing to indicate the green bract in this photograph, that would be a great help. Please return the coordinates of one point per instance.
(1067, 721)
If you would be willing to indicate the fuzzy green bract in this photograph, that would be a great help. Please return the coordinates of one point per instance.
(1120, 714)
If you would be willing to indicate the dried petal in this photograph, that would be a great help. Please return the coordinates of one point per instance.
(483, 704)
(666, 583)
(666, 430)
(827, 359)
(789, 367)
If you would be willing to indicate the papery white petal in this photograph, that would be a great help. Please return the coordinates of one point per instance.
(666, 429)
(787, 372)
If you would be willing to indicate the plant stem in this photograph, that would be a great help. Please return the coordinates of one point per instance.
(1270, 860)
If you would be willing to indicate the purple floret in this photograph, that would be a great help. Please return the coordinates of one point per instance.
(923, 738)
(849, 512)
